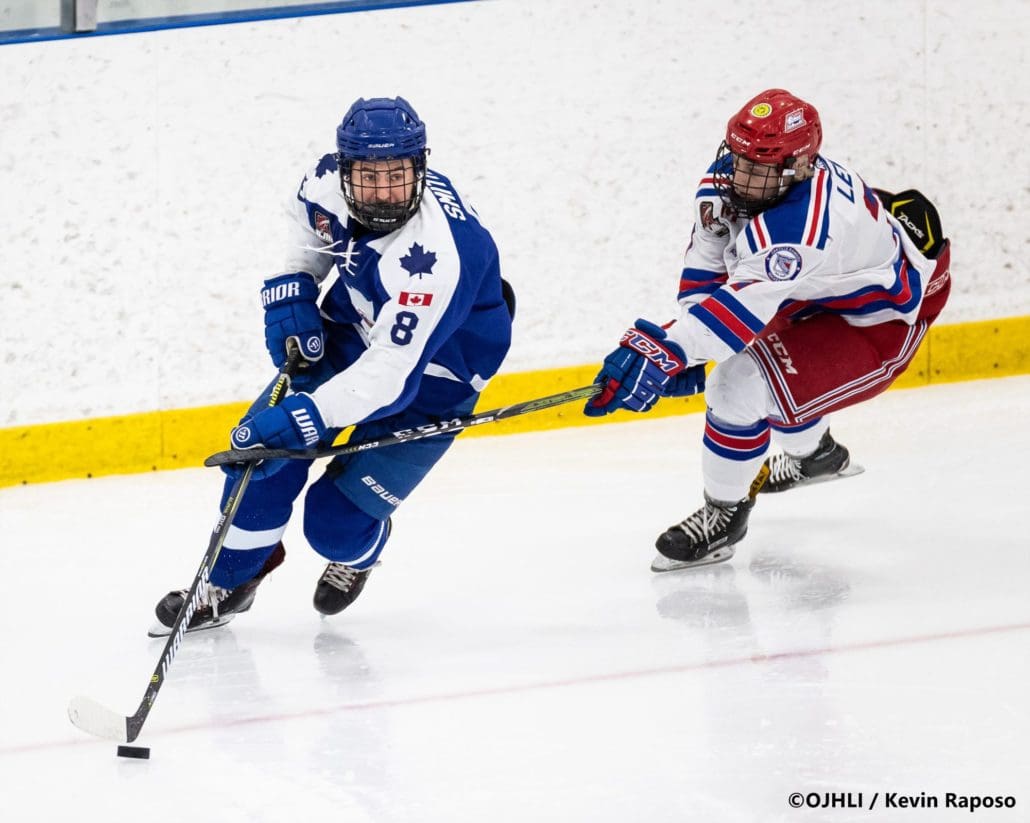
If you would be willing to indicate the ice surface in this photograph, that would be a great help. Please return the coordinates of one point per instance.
(514, 659)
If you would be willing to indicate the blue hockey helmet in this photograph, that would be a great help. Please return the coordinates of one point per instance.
(379, 131)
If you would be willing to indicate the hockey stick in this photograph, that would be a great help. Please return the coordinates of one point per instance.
(458, 424)
(98, 720)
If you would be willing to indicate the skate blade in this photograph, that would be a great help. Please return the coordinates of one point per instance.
(161, 630)
(848, 471)
(661, 563)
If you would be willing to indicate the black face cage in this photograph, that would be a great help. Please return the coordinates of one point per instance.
(745, 206)
(378, 216)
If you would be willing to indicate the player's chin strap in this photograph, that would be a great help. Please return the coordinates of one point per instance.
(100, 721)
(251, 456)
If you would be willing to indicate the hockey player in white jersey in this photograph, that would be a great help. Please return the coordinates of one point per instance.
(808, 294)
(392, 291)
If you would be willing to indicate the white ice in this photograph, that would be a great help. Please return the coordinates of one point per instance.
(514, 659)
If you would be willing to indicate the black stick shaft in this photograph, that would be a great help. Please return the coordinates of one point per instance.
(135, 723)
(406, 435)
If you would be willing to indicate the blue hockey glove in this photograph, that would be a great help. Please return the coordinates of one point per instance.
(687, 382)
(291, 311)
(646, 366)
(294, 424)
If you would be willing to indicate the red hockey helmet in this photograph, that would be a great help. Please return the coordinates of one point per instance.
(774, 128)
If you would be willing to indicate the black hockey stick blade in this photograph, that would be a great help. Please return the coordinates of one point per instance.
(406, 435)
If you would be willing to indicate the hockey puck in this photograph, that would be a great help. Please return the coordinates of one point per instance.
(138, 752)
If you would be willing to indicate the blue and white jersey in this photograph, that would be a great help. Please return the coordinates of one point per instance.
(426, 299)
(828, 246)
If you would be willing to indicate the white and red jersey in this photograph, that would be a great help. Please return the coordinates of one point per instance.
(827, 246)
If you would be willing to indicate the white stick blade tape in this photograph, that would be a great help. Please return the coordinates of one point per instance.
(97, 720)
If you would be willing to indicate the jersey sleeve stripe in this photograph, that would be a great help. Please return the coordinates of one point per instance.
(817, 225)
(902, 296)
(725, 296)
(824, 232)
(687, 289)
(761, 232)
(732, 339)
(756, 233)
(752, 241)
(728, 320)
(700, 280)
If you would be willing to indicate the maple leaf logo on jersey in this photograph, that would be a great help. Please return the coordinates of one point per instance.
(418, 261)
(327, 163)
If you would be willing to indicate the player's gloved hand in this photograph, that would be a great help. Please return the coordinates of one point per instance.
(646, 366)
(294, 424)
(687, 382)
(291, 311)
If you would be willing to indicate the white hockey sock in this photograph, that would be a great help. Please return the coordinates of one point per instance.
(800, 441)
(731, 457)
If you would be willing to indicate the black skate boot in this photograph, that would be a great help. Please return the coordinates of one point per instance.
(339, 586)
(217, 606)
(827, 462)
(706, 537)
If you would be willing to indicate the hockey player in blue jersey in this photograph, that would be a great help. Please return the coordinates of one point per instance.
(393, 293)
(809, 290)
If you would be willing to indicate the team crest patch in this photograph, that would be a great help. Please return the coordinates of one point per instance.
(323, 228)
(710, 222)
(783, 263)
(794, 120)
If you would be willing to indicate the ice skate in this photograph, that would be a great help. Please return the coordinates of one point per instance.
(707, 536)
(830, 461)
(339, 586)
(217, 606)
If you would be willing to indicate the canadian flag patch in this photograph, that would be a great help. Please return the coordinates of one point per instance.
(415, 298)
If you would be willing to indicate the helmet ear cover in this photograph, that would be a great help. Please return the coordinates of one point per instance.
(381, 129)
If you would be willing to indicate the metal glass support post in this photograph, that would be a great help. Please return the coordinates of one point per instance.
(78, 15)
